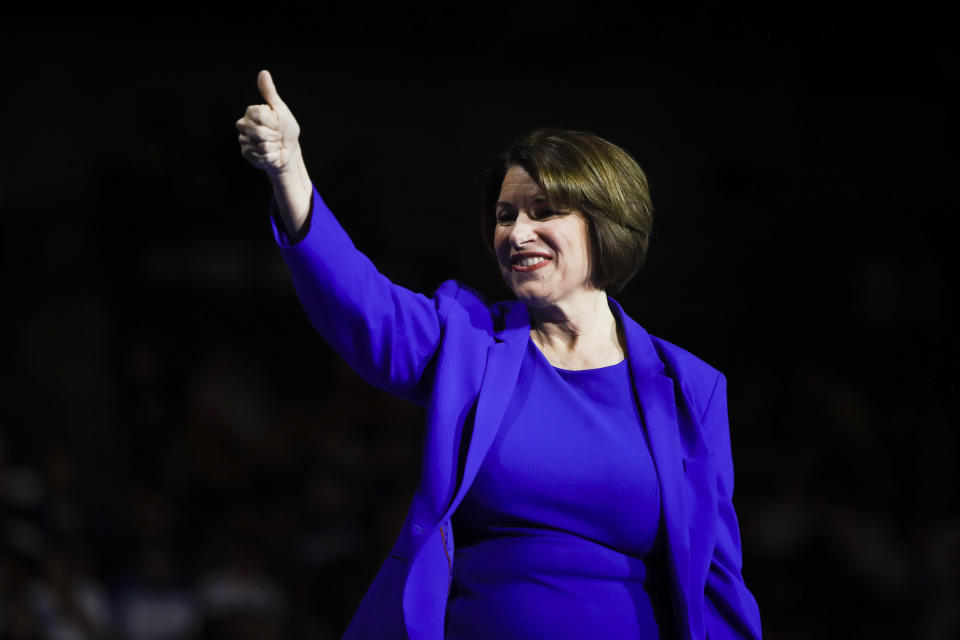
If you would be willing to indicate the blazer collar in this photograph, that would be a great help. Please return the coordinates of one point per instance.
(516, 322)
(644, 360)
(643, 356)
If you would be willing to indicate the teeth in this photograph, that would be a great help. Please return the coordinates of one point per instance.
(529, 262)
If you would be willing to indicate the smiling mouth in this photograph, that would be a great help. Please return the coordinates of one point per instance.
(530, 264)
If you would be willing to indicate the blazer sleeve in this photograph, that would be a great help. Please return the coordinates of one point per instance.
(384, 331)
(730, 609)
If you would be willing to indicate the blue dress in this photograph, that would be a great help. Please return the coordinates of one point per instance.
(535, 561)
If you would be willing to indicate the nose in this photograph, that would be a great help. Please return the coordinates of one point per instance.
(523, 230)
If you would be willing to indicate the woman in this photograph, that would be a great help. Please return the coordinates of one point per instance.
(583, 465)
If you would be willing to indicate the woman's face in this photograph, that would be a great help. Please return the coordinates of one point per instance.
(543, 254)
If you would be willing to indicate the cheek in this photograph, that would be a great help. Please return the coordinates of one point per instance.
(577, 265)
(585, 254)
(499, 245)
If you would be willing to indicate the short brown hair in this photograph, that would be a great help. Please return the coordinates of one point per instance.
(582, 171)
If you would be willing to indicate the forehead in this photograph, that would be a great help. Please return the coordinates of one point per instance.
(519, 188)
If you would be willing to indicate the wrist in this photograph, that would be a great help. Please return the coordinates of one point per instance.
(293, 192)
(293, 169)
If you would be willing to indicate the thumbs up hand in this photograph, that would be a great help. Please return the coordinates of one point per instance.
(269, 140)
(268, 133)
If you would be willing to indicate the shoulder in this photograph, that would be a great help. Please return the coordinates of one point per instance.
(697, 379)
(458, 302)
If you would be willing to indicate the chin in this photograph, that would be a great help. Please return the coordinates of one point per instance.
(530, 291)
(531, 298)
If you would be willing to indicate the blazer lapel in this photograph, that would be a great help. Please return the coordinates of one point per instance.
(499, 377)
(655, 397)
(423, 603)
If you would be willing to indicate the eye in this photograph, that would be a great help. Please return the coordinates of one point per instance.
(506, 217)
(545, 213)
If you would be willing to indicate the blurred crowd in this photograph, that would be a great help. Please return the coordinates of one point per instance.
(253, 521)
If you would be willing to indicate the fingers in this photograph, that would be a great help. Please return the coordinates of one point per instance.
(258, 133)
(269, 91)
(262, 160)
(260, 146)
(263, 115)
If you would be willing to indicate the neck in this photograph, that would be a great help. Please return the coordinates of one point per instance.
(579, 333)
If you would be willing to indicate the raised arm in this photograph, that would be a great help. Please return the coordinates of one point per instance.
(385, 332)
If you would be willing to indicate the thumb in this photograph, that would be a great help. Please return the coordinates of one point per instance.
(269, 91)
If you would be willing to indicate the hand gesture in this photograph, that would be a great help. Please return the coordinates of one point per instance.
(269, 134)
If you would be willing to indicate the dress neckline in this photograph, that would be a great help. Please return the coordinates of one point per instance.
(574, 372)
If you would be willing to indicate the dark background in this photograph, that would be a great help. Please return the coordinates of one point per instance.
(182, 456)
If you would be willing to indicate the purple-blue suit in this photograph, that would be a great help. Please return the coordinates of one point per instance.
(459, 357)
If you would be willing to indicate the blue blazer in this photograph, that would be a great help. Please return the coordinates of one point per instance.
(459, 357)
